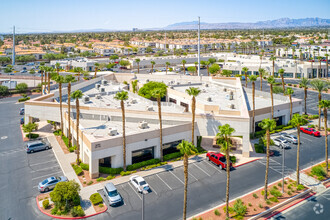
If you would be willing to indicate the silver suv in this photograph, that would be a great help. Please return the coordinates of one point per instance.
(280, 142)
(36, 146)
(290, 138)
(112, 194)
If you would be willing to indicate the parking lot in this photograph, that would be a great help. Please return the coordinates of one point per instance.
(163, 185)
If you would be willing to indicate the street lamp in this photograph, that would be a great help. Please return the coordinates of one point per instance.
(283, 158)
(143, 192)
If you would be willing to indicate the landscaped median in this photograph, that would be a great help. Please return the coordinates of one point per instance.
(253, 204)
(64, 202)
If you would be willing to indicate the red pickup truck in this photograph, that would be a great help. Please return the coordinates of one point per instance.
(218, 159)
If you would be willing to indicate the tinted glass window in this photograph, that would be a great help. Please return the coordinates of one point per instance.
(142, 183)
(113, 193)
(44, 182)
(222, 159)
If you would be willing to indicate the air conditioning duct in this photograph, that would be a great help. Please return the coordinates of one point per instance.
(102, 89)
(104, 82)
(209, 99)
(143, 125)
(113, 132)
(98, 96)
(149, 108)
(85, 99)
(97, 85)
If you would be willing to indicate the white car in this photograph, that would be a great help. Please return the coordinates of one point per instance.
(281, 142)
(139, 183)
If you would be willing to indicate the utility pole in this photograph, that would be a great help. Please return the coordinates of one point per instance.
(283, 159)
(199, 45)
(165, 42)
(13, 50)
(263, 39)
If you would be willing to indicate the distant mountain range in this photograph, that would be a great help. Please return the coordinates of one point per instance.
(278, 23)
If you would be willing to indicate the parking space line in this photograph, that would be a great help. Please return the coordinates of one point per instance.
(193, 176)
(134, 191)
(33, 171)
(43, 162)
(49, 175)
(201, 169)
(164, 182)
(213, 167)
(176, 177)
(153, 189)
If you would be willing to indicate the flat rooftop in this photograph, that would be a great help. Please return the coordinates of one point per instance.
(263, 100)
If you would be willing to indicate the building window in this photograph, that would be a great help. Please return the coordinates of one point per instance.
(185, 105)
(171, 147)
(105, 162)
(143, 154)
(172, 100)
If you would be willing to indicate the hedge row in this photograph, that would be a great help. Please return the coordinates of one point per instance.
(32, 135)
(23, 99)
(112, 171)
(96, 198)
(84, 166)
(172, 156)
(77, 169)
(136, 166)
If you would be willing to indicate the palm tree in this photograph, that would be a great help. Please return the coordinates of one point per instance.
(312, 61)
(261, 55)
(295, 60)
(159, 93)
(69, 79)
(325, 104)
(50, 69)
(297, 121)
(167, 64)
(42, 70)
(60, 79)
(186, 148)
(196, 64)
(253, 78)
(262, 72)
(57, 66)
(304, 83)
(122, 96)
(207, 64)
(293, 51)
(319, 72)
(152, 66)
(138, 63)
(327, 63)
(184, 68)
(192, 91)
(96, 67)
(273, 59)
(268, 125)
(245, 70)
(271, 82)
(289, 91)
(286, 52)
(225, 132)
(281, 72)
(320, 86)
(77, 95)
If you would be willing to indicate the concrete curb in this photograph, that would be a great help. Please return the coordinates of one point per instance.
(282, 204)
(62, 217)
(247, 162)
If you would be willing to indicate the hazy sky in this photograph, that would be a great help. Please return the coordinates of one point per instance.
(64, 15)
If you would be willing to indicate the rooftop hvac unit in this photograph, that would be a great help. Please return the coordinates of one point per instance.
(112, 132)
(143, 125)
(229, 97)
(104, 82)
(98, 96)
(232, 106)
(206, 85)
(85, 99)
(189, 82)
(147, 80)
(178, 83)
(231, 93)
(133, 101)
(171, 87)
(225, 89)
(149, 108)
(102, 89)
(97, 85)
(209, 99)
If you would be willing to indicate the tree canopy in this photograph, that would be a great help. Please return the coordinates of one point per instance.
(146, 90)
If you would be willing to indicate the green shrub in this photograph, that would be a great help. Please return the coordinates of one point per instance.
(279, 127)
(289, 84)
(230, 209)
(23, 99)
(261, 206)
(123, 173)
(259, 148)
(110, 177)
(319, 171)
(300, 187)
(54, 211)
(45, 204)
(279, 184)
(255, 195)
(217, 213)
(96, 198)
(268, 202)
(278, 130)
(77, 211)
(275, 193)
(294, 85)
(32, 135)
(275, 187)
(232, 159)
(4, 90)
(57, 132)
(71, 149)
(239, 208)
(84, 166)
(315, 116)
(172, 156)
(289, 193)
(273, 199)
(100, 179)
(285, 182)
(90, 182)
(288, 127)
(311, 126)
(263, 193)
(250, 204)
(142, 164)
(153, 166)
(112, 171)
(101, 205)
(21, 87)
(77, 169)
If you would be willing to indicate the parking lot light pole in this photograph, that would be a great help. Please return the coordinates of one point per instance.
(283, 158)
(143, 192)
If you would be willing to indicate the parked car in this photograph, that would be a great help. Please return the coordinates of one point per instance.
(290, 138)
(310, 131)
(280, 142)
(22, 120)
(112, 194)
(21, 111)
(23, 71)
(36, 146)
(123, 68)
(139, 183)
(163, 69)
(218, 159)
(50, 183)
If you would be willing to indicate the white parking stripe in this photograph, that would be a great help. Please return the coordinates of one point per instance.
(153, 190)
(213, 166)
(176, 177)
(164, 182)
(201, 169)
(43, 162)
(33, 171)
(192, 176)
(134, 190)
(49, 175)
